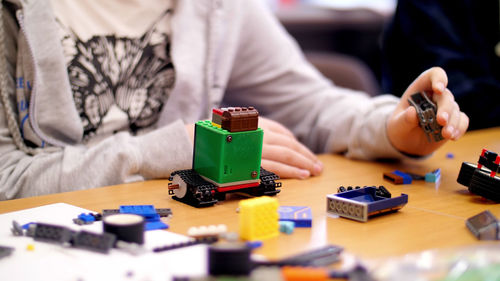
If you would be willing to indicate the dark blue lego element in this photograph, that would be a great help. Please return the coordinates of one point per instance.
(407, 179)
(450, 155)
(148, 212)
(254, 244)
(155, 225)
(300, 215)
(433, 176)
(360, 204)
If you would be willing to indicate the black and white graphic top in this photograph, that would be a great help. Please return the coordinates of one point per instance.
(120, 81)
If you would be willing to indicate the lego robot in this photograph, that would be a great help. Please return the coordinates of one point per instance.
(482, 179)
(226, 158)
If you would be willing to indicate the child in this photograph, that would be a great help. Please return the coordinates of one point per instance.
(98, 93)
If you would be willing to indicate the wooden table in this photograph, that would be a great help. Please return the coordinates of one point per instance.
(433, 218)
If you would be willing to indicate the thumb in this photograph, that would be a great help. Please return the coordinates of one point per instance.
(410, 117)
(404, 121)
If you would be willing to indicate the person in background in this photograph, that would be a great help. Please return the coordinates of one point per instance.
(462, 37)
(97, 93)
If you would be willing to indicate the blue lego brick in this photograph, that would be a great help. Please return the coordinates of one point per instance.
(360, 204)
(27, 225)
(407, 179)
(87, 218)
(155, 225)
(287, 226)
(433, 176)
(254, 244)
(147, 211)
(300, 215)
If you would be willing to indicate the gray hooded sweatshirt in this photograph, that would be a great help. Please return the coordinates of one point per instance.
(230, 52)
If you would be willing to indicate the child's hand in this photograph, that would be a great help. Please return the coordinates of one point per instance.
(284, 155)
(403, 128)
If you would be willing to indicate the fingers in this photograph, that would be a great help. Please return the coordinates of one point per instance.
(433, 79)
(285, 171)
(270, 125)
(463, 125)
(273, 138)
(290, 157)
(454, 122)
(281, 147)
(190, 131)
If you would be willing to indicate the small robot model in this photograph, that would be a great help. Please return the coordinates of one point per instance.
(482, 179)
(226, 158)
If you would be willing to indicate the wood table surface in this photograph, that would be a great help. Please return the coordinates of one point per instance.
(433, 218)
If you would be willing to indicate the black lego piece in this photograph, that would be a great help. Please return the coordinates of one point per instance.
(201, 240)
(199, 191)
(426, 112)
(383, 192)
(108, 212)
(5, 251)
(164, 212)
(482, 179)
(466, 171)
(485, 185)
(52, 233)
(94, 242)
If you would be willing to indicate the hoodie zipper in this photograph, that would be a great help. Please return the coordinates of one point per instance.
(43, 138)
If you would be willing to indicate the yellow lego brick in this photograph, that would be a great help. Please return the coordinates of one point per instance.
(259, 218)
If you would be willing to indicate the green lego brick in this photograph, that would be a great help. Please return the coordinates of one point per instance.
(226, 157)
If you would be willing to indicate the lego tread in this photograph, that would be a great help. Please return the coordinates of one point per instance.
(466, 171)
(484, 185)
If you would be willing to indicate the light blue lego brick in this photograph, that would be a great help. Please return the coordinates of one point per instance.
(287, 226)
(433, 176)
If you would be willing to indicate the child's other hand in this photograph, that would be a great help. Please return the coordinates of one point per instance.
(403, 128)
(284, 155)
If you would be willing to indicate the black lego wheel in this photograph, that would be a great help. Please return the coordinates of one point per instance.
(192, 189)
(268, 185)
(466, 171)
(484, 185)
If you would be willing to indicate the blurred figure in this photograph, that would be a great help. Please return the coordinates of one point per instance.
(462, 37)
